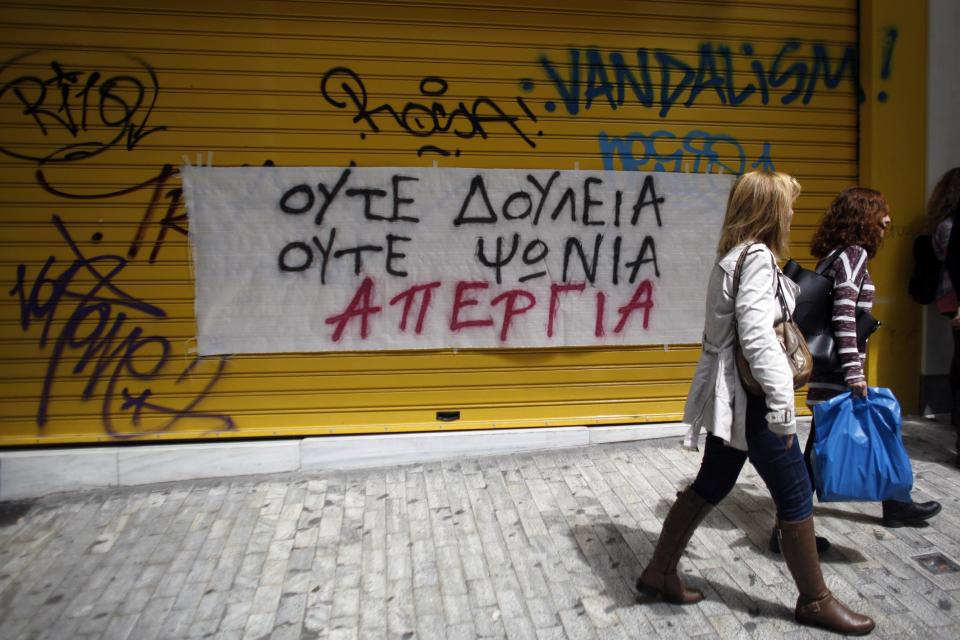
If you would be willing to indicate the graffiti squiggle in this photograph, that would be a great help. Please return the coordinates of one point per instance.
(85, 112)
(344, 89)
(97, 329)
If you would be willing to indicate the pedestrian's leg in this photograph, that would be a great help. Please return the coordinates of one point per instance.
(897, 513)
(816, 605)
(718, 473)
(955, 391)
(783, 470)
(808, 451)
(822, 543)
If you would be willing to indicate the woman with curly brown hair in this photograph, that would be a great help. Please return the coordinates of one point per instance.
(942, 212)
(849, 234)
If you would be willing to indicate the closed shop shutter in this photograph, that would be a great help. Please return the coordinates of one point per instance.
(102, 101)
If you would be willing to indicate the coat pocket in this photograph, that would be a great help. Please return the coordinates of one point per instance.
(702, 388)
(726, 383)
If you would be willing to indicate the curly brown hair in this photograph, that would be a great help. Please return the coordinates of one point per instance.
(853, 218)
(945, 199)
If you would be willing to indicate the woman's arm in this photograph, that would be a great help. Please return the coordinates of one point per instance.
(849, 270)
(756, 306)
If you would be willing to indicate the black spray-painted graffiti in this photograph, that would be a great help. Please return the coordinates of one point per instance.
(303, 199)
(84, 318)
(797, 68)
(80, 113)
(174, 217)
(578, 204)
(607, 249)
(83, 314)
(344, 89)
(542, 204)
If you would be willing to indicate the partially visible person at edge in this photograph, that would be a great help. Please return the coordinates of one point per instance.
(742, 426)
(942, 212)
(854, 225)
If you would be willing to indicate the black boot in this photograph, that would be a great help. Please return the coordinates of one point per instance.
(822, 543)
(956, 461)
(899, 514)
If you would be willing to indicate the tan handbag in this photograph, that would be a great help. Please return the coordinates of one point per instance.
(788, 334)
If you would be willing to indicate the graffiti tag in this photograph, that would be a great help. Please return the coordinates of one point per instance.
(80, 113)
(117, 358)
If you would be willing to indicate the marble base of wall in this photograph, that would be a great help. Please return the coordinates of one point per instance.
(36, 472)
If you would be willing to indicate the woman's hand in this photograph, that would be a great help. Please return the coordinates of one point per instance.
(858, 389)
(955, 321)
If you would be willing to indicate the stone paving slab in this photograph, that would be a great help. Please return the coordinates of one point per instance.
(532, 546)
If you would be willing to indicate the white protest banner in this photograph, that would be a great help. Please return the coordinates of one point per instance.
(344, 259)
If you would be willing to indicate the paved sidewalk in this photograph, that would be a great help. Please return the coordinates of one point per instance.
(533, 546)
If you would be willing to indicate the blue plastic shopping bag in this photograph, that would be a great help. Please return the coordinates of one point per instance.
(858, 453)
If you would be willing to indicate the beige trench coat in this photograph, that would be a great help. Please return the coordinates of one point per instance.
(717, 401)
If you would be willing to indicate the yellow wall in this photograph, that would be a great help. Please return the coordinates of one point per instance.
(893, 37)
(98, 337)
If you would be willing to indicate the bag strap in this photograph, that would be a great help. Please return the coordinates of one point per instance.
(831, 259)
(736, 290)
(786, 316)
(739, 268)
(785, 313)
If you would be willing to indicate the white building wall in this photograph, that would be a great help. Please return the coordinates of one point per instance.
(943, 148)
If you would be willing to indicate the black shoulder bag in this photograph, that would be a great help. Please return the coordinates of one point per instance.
(814, 314)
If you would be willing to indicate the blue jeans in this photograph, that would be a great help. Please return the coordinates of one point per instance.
(782, 469)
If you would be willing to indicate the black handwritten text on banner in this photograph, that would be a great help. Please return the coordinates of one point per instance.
(344, 259)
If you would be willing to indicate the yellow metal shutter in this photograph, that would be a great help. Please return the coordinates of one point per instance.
(101, 101)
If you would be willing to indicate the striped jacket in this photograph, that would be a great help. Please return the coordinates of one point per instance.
(852, 289)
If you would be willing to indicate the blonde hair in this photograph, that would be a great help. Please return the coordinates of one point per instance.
(758, 210)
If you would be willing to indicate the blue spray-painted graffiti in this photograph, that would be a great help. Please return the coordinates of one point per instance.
(697, 152)
(797, 68)
(889, 40)
(108, 351)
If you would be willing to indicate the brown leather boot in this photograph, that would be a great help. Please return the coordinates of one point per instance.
(816, 606)
(660, 577)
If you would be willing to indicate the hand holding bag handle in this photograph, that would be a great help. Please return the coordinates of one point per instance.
(788, 335)
(858, 451)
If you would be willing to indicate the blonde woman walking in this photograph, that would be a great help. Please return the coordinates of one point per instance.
(742, 426)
